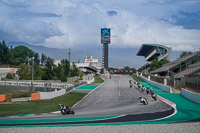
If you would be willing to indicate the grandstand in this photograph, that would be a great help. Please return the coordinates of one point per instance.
(178, 65)
(181, 73)
(154, 52)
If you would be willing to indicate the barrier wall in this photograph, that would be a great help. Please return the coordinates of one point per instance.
(2, 98)
(5, 98)
(195, 97)
(35, 96)
(160, 86)
(49, 95)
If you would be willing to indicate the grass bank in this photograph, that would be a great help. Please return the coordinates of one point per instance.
(40, 106)
(97, 80)
(138, 79)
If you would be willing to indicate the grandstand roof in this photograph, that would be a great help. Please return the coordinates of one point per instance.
(175, 63)
(191, 70)
(145, 49)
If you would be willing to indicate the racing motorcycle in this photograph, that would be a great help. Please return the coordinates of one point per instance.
(143, 100)
(154, 96)
(65, 110)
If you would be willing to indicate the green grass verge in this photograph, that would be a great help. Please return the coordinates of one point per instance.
(97, 80)
(138, 79)
(15, 93)
(40, 106)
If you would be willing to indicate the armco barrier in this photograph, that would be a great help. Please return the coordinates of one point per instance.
(162, 87)
(195, 97)
(49, 95)
(35, 96)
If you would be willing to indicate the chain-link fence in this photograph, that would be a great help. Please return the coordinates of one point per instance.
(159, 80)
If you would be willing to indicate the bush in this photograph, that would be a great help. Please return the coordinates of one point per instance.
(10, 76)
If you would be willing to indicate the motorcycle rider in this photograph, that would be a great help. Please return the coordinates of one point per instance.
(130, 82)
(154, 96)
(147, 90)
(63, 107)
(152, 91)
(139, 85)
(143, 100)
(143, 88)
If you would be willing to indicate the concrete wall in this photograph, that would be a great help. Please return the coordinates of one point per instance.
(88, 78)
(49, 95)
(160, 86)
(195, 97)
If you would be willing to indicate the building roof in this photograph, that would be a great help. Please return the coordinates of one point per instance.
(145, 49)
(154, 51)
(191, 70)
(175, 63)
(87, 66)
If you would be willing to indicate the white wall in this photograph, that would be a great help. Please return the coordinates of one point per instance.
(49, 95)
(160, 86)
(195, 97)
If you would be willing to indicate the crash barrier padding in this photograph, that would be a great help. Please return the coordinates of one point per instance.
(49, 95)
(160, 86)
(2, 98)
(195, 97)
(35, 96)
(5, 98)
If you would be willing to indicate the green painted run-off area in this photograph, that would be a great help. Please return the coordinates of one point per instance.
(186, 109)
(87, 87)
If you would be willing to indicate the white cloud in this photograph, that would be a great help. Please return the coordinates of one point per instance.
(135, 23)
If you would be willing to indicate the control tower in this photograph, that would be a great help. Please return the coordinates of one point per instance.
(105, 40)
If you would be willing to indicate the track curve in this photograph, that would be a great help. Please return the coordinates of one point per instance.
(113, 98)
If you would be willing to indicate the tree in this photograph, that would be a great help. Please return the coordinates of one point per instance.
(43, 59)
(59, 73)
(38, 73)
(4, 50)
(21, 55)
(10, 76)
(48, 71)
(25, 72)
(36, 59)
(74, 70)
(185, 53)
(66, 67)
(157, 64)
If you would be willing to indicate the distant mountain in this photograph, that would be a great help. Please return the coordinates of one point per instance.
(118, 57)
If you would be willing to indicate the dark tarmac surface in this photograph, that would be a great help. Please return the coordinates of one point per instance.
(113, 98)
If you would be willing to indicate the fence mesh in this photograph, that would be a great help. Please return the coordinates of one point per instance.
(191, 83)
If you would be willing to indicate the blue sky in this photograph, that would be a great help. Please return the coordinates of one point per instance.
(77, 23)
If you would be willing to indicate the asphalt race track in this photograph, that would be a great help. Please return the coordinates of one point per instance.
(113, 98)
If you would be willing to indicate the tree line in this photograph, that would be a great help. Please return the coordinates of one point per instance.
(43, 67)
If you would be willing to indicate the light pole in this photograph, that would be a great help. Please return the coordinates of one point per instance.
(69, 53)
(32, 75)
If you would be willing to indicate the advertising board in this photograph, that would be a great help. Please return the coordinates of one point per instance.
(105, 35)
